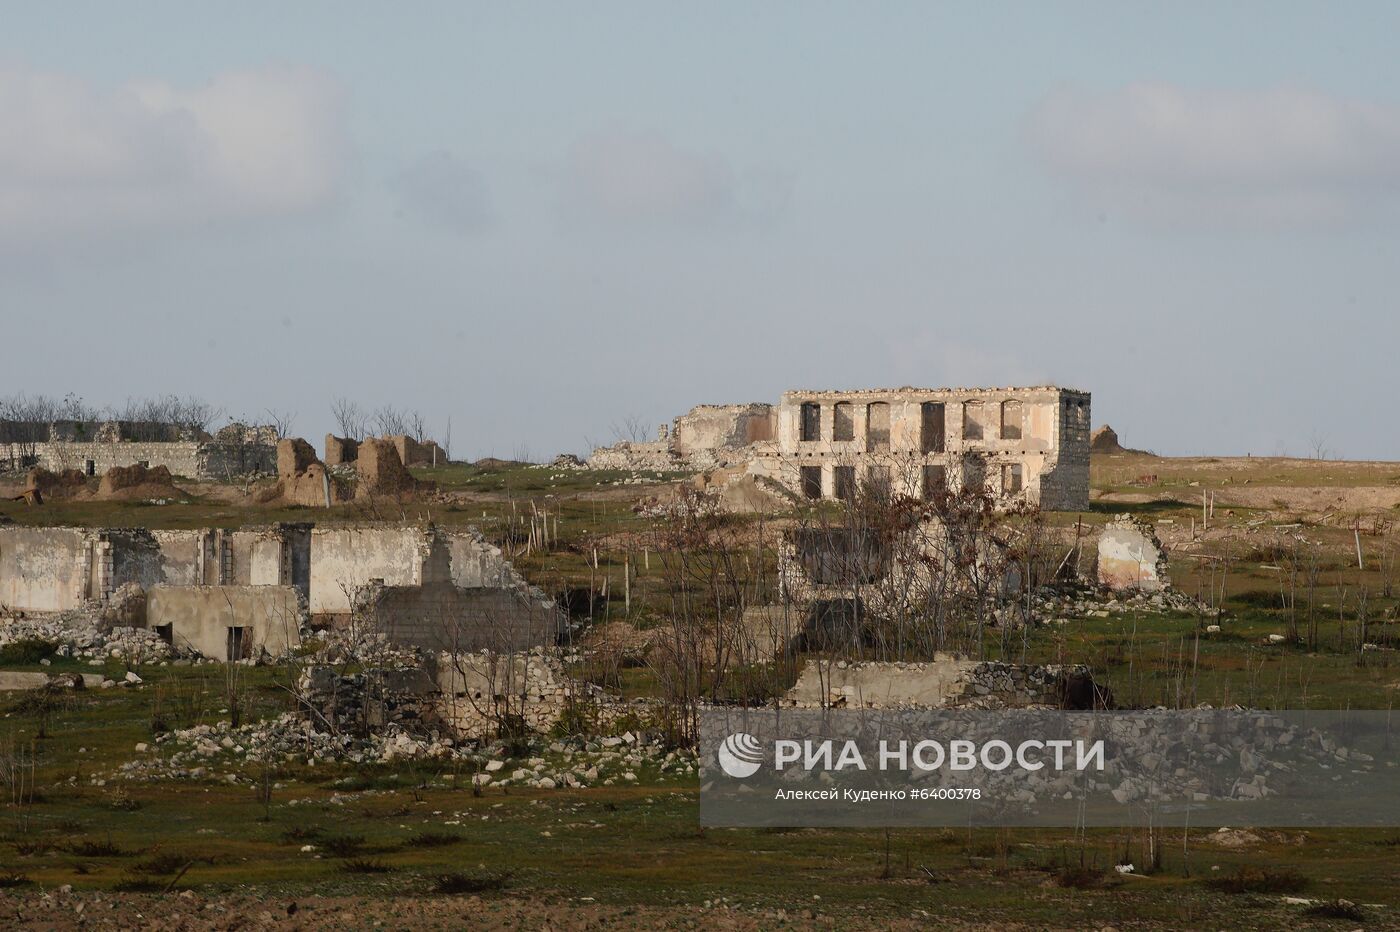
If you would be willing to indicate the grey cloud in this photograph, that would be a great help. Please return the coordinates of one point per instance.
(81, 160)
(441, 190)
(634, 179)
(1285, 155)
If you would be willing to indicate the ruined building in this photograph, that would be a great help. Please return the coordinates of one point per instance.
(1020, 443)
(1030, 443)
(93, 447)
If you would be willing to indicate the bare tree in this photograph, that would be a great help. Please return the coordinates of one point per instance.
(390, 421)
(632, 429)
(349, 417)
(281, 421)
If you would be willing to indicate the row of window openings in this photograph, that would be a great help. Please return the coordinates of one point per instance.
(932, 423)
(933, 480)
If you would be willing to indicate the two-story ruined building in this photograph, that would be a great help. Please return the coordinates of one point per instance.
(1018, 442)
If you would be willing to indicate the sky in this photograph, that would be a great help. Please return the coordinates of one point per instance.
(537, 222)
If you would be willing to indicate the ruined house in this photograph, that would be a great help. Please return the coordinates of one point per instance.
(1029, 444)
(93, 447)
(1024, 443)
(54, 569)
(706, 437)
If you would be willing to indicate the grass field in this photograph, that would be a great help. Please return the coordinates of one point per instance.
(419, 830)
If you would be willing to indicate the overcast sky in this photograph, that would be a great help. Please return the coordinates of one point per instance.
(538, 220)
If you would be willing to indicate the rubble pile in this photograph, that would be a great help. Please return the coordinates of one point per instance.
(82, 636)
(236, 755)
(1060, 605)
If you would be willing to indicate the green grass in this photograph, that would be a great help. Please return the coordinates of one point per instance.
(638, 844)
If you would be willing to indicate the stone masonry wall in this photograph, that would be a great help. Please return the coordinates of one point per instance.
(440, 616)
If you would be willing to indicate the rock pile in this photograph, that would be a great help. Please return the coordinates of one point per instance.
(83, 637)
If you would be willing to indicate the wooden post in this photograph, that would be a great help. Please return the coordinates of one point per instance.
(627, 583)
(1356, 530)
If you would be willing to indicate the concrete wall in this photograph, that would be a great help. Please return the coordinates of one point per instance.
(200, 617)
(440, 616)
(344, 559)
(44, 569)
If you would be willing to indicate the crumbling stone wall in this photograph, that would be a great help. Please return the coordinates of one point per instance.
(381, 471)
(341, 451)
(441, 616)
(302, 479)
(946, 682)
(479, 689)
(1130, 556)
(714, 430)
(707, 437)
(200, 459)
(417, 453)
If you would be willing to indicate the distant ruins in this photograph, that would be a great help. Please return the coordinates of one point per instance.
(1030, 444)
(93, 447)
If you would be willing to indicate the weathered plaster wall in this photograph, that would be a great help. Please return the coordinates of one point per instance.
(343, 559)
(44, 569)
(199, 617)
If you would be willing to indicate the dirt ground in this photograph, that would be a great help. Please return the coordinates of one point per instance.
(190, 911)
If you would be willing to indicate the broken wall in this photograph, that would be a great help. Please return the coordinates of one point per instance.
(440, 616)
(1130, 557)
(345, 559)
(44, 569)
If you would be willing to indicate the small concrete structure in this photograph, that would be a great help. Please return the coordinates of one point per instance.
(1131, 557)
(226, 622)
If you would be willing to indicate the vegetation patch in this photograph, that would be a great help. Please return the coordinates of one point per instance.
(1260, 880)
